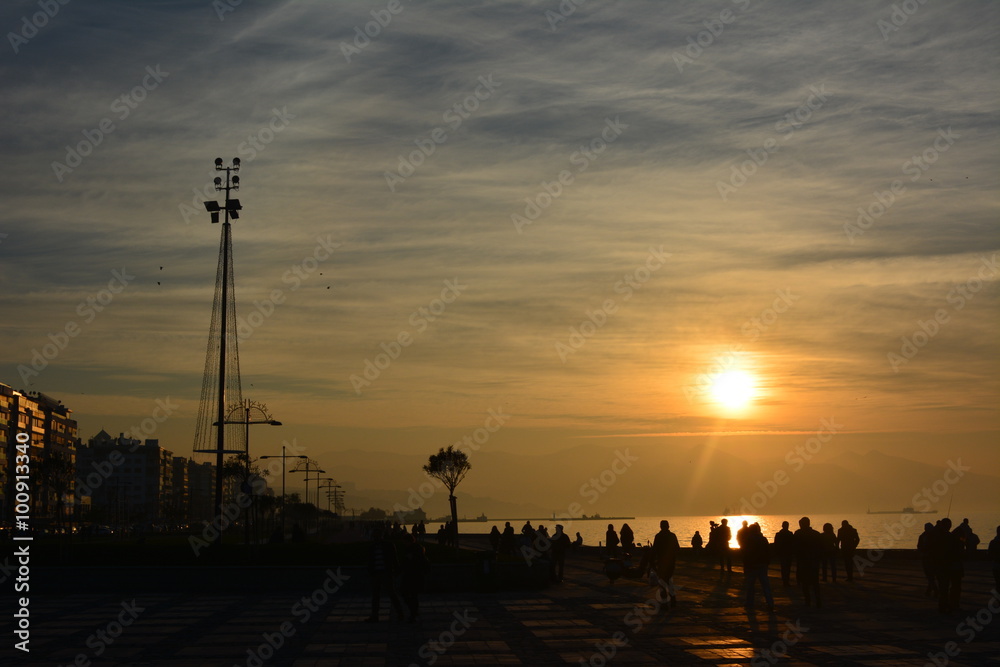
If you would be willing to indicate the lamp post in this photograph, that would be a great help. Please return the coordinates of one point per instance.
(248, 408)
(328, 487)
(333, 493)
(231, 208)
(283, 457)
(307, 471)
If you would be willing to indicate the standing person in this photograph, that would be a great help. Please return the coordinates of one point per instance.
(784, 546)
(946, 554)
(560, 544)
(627, 539)
(508, 541)
(611, 539)
(924, 543)
(382, 566)
(829, 551)
(741, 534)
(994, 552)
(413, 567)
(725, 534)
(808, 552)
(755, 551)
(663, 559)
(495, 539)
(849, 540)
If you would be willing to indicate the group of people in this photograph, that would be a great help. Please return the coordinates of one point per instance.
(815, 555)
(386, 565)
(942, 550)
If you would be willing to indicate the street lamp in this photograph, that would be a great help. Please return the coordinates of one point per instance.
(283, 457)
(307, 471)
(232, 208)
(248, 413)
(325, 486)
(333, 493)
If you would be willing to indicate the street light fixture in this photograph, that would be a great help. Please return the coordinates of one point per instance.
(307, 471)
(246, 409)
(283, 457)
(231, 208)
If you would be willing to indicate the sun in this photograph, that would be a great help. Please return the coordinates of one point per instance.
(734, 390)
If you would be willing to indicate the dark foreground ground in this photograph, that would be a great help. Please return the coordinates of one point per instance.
(881, 619)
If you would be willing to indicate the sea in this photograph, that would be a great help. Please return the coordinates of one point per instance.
(877, 531)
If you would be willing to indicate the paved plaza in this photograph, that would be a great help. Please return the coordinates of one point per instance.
(881, 619)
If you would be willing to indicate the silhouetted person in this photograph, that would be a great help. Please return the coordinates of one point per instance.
(808, 552)
(741, 534)
(413, 567)
(611, 540)
(829, 557)
(994, 552)
(663, 559)
(849, 540)
(927, 558)
(578, 542)
(382, 566)
(724, 534)
(963, 530)
(560, 544)
(627, 539)
(784, 547)
(495, 539)
(508, 541)
(696, 541)
(755, 552)
(946, 557)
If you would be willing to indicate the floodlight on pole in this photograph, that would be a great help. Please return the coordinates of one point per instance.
(227, 344)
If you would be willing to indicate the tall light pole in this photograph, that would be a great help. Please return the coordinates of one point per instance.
(248, 413)
(221, 317)
(324, 486)
(283, 457)
(307, 471)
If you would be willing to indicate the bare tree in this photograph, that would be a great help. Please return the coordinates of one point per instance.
(449, 466)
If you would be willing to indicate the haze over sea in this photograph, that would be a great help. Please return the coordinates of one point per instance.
(887, 531)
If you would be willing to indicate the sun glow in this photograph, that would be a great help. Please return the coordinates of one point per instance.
(734, 390)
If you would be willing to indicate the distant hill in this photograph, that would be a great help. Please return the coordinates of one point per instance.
(648, 479)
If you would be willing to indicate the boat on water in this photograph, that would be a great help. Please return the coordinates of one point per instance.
(905, 510)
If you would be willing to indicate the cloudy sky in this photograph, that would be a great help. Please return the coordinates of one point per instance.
(581, 219)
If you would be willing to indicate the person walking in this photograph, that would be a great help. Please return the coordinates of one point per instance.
(849, 540)
(413, 568)
(755, 552)
(663, 559)
(383, 563)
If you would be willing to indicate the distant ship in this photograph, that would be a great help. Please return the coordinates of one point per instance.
(905, 510)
